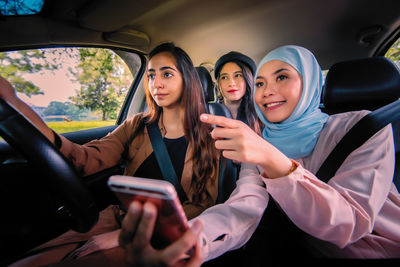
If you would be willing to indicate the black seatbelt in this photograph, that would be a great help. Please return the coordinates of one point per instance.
(358, 135)
(227, 177)
(163, 159)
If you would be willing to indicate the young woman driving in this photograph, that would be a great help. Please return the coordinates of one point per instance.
(175, 102)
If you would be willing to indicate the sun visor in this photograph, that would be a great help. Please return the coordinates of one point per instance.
(128, 36)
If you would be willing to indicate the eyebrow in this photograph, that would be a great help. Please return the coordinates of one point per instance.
(280, 70)
(225, 73)
(163, 68)
(276, 72)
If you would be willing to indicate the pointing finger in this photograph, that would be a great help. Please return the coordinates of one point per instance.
(219, 120)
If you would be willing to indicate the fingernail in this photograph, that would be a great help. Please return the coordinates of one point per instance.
(204, 117)
(197, 227)
(134, 207)
(148, 210)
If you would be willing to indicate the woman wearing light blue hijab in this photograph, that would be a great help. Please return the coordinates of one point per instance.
(355, 214)
(297, 135)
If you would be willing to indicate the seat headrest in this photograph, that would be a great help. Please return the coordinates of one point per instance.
(361, 84)
(206, 82)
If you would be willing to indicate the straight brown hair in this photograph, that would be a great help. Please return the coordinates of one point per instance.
(205, 156)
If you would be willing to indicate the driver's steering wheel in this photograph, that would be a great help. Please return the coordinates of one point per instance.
(79, 210)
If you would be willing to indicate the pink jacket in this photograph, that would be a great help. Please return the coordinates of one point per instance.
(357, 212)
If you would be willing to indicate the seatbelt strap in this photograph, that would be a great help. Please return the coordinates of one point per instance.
(220, 197)
(358, 135)
(163, 158)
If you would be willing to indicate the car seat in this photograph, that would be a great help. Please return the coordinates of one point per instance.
(368, 84)
(209, 94)
(207, 83)
(229, 172)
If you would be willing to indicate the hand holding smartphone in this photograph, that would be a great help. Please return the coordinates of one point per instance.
(171, 221)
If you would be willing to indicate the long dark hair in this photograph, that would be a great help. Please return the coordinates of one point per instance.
(246, 111)
(205, 155)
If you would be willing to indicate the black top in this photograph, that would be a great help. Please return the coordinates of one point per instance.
(177, 152)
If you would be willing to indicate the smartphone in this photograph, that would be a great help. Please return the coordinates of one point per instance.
(171, 222)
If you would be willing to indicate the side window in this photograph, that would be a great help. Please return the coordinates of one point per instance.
(394, 52)
(72, 89)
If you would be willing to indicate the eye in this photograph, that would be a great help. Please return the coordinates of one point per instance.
(238, 75)
(259, 84)
(167, 74)
(281, 77)
(151, 76)
(224, 77)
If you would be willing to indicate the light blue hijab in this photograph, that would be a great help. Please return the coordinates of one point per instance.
(297, 135)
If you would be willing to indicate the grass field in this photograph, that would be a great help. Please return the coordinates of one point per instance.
(71, 126)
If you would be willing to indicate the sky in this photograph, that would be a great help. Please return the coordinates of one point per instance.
(48, 81)
(56, 84)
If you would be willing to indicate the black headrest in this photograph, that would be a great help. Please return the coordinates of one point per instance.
(206, 82)
(219, 109)
(361, 84)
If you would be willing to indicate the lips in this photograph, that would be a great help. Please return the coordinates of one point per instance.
(160, 95)
(232, 91)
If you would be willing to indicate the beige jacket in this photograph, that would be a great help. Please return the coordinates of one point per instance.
(106, 152)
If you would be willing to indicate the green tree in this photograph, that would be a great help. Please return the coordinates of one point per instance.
(60, 108)
(55, 108)
(104, 80)
(16, 63)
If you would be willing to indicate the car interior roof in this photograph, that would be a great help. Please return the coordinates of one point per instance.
(337, 30)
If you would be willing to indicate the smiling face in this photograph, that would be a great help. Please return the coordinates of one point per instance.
(278, 90)
(164, 80)
(231, 82)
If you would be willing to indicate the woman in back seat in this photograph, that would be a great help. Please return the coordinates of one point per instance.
(234, 73)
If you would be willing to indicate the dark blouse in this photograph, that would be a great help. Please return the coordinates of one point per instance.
(177, 152)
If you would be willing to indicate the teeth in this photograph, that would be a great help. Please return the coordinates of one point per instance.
(273, 104)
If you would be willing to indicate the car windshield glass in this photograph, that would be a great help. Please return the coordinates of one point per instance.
(20, 7)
